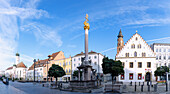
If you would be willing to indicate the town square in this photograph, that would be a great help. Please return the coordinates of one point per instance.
(81, 47)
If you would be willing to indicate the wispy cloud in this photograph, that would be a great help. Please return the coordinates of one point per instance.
(43, 33)
(165, 38)
(10, 13)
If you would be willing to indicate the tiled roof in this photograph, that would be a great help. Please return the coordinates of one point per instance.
(9, 68)
(54, 55)
(21, 65)
(92, 52)
(39, 63)
(168, 44)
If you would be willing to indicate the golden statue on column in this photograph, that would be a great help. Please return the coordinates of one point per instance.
(87, 26)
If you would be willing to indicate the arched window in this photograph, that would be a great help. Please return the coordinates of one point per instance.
(139, 45)
(135, 54)
(136, 38)
(143, 54)
(133, 46)
(127, 54)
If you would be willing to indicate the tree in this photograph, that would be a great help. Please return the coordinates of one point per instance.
(161, 71)
(56, 71)
(112, 67)
(75, 73)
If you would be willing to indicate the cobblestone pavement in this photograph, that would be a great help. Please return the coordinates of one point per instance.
(30, 88)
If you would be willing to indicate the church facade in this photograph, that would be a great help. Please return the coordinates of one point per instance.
(137, 58)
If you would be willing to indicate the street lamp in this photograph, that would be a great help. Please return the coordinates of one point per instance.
(47, 65)
(34, 68)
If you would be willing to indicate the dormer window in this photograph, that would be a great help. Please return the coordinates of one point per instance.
(133, 46)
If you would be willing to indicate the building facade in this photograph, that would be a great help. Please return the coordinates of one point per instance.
(137, 58)
(162, 51)
(94, 57)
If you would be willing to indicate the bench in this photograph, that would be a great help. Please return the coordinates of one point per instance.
(113, 88)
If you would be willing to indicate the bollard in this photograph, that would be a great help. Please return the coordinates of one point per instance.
(143, 83)
(131, 83)
(141, 88)
(147, 82)
(139, 83)
(149, 88)
(135, 86)
(166, 86)
(155, 87)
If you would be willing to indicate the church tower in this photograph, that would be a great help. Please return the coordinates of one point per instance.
(17, 58)
(120, 42)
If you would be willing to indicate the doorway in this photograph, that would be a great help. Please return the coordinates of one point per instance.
(148, 76)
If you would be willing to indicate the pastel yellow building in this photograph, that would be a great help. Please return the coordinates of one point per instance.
(59, 59)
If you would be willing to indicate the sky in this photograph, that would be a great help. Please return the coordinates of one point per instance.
(38, 28)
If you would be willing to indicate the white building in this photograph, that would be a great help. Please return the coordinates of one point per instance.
(40, 68)
(162, 51)
(96, 61)
(16, 71)
(137, 57)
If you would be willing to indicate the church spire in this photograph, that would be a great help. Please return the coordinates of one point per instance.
(120, 42)
(120, 34)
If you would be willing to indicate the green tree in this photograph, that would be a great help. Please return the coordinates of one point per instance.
(161, 71)
(56, 71)
(112, 67)
(75, 73)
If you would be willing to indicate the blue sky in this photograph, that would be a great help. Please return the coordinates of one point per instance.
(37, 28)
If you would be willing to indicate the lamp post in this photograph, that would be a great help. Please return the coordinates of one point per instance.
(34, 68)
(47, 65)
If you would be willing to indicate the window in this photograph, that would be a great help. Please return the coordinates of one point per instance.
(69, 62)
(139, 76)
(127, 54)
(165, 64)
(66, 70)
(159, 50)
(164, 50)
(156, 57)
(123, 64)
(66, 63)
(79, 59)
(156, 50)
(122, 76)
(130, 76)
(63, 64)
(74, 59)
(159, 57)
(165, 57)
(133, 46)
(169, 57)
(136, 38)
(148, 64)
(169, 65)
(95, 63)
(143, 54)
(89, 57)
(169, 50)
(135, 54)
(95, 57)
(139, 45)
(74, 65)
(139, 64)
(131, 65)
(69, 71)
